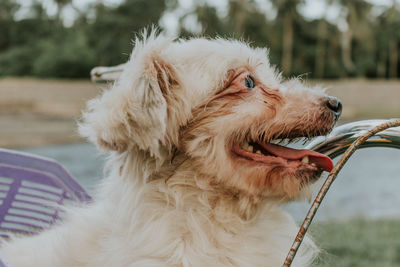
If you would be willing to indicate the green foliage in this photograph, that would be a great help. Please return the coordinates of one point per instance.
(110, 36)
(29, 31)
(42, 46)
(8, 9)
(17, 61)
(69, 58)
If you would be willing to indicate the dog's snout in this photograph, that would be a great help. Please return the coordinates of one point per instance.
(334, 105)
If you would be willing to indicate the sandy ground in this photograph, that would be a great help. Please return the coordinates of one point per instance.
(42, 112)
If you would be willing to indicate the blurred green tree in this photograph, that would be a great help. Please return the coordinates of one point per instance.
(391, 28)
(357, 41)
(286, 18)
(366, 46)
(110, 35)
(7, 12)
(8, 8)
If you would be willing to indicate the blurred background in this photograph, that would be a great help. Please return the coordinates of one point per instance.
(48, 47)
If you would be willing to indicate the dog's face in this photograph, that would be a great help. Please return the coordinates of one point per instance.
(240, 133)
(223, 106)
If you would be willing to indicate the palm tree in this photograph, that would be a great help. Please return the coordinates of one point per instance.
(238, 12)
(8, 8)
(287, 13)
(60, 6)
(322, 32)
(358, 27)
(393, 25)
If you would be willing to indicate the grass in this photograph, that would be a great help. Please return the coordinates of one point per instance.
(358, 242)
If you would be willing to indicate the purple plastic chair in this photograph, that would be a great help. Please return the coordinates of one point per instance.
(32, 189)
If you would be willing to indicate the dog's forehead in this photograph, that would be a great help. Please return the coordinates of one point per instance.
(204, 64)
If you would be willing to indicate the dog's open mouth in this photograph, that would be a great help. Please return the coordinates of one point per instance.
(268, 153)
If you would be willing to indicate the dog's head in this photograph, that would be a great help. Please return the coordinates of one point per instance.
(220, 104)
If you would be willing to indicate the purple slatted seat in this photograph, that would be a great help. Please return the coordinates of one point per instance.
(32, 189)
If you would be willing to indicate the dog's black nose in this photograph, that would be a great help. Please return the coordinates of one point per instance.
(334, 105)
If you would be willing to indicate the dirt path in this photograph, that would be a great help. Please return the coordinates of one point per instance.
(366, 99)
(42, 112)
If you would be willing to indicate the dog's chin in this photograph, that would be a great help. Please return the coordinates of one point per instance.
(307, 176)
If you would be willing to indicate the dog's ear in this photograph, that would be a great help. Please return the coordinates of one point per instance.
(133, 114)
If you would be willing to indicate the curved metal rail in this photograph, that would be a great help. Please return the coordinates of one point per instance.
(340, 141)
(106, 74)
(343, 136)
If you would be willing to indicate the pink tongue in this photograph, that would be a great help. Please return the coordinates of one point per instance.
(322, 161)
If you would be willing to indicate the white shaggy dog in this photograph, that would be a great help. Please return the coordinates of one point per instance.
(195, 178)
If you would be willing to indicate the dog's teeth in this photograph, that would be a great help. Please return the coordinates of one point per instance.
(246, 146)
(313, 164)
(243, 144)
(305, 160)
(258, 152)
(285, 142)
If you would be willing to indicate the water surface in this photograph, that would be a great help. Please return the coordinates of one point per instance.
(368, 186)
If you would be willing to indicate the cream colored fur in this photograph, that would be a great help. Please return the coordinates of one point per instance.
(172, 196)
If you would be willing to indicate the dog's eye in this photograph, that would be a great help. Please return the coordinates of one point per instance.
(249, 82)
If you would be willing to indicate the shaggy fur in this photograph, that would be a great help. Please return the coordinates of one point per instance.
(175, 193)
